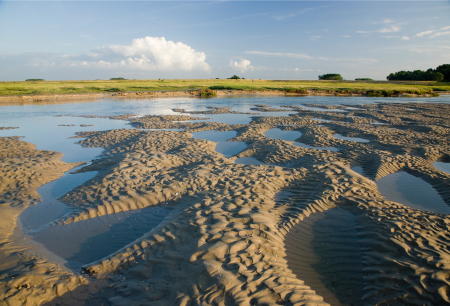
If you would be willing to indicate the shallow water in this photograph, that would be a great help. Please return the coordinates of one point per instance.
(214, 135)
(302, 145)
(441, 166)
(358, 169)
(227, 148)
(411, 191)
(50, 207)
(230, 148)
(356, 139)
(283, 135)
(321, 120)
(250, 161)
(323, 251)
(318, 109)
(89, 240)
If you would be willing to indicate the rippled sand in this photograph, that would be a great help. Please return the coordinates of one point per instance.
(244, 234)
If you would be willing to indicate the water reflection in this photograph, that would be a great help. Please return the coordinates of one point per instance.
(283, 135)
(323, 251)
(250, 161)
(89, 240)
(356, 139)
(302, 145)
(442, 166)
(411, 191)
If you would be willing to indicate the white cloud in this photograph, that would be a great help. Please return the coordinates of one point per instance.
(152, 54)
(440, 34)
(384, 21)
(405, 38)
(297, 70)
(388, 29)
(293, 55)
(243, 65)
(434, 33)
(424, 33)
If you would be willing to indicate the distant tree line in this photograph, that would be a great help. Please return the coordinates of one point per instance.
(33, 80)
(363, 79)
(441, 73)
(331, 76)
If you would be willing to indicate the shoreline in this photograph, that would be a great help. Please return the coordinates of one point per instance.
(193, 94)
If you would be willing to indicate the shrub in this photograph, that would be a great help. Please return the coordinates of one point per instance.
(34, 80)
(116, 79)
(207, 93)
(299, 91)
(235, 77)
(114, 89)
(331, 76)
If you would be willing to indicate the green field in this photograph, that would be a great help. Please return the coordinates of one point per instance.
(99, 86)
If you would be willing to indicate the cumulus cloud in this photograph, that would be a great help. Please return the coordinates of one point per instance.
(434, 33)
(151, 54)
(243, 65)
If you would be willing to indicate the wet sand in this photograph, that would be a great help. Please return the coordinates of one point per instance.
(246, 234)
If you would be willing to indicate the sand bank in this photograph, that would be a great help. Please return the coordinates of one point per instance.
(193, 94)
(29, 273)
(232, 237)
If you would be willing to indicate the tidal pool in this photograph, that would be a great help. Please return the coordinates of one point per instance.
(302, 145)
(89, 240)
(442, 166)
(250, 161)
(224, 147)
(356, 139)
(283, 135)
(411, 191)
(323, 250)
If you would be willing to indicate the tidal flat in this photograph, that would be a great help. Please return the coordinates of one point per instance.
(225, 201)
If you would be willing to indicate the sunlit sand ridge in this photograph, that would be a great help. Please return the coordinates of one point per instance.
(304, 229)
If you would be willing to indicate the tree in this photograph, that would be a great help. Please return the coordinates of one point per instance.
(442, 72)
(416, 75)
(235, 77)
(331, 76)
(445, 70)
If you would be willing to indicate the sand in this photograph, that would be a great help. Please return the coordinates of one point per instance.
(247, 235)
(29, 273)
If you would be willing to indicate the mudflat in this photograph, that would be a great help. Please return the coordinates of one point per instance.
(303, 228)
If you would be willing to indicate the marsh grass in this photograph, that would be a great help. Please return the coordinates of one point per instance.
(299, 87)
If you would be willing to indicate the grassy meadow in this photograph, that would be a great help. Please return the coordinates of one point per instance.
(105, 86)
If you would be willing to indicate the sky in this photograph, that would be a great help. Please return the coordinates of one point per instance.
(281, 40)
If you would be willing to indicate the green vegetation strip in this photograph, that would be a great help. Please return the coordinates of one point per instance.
(108, 86)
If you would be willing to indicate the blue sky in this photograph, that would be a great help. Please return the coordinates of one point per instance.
(73, 40)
